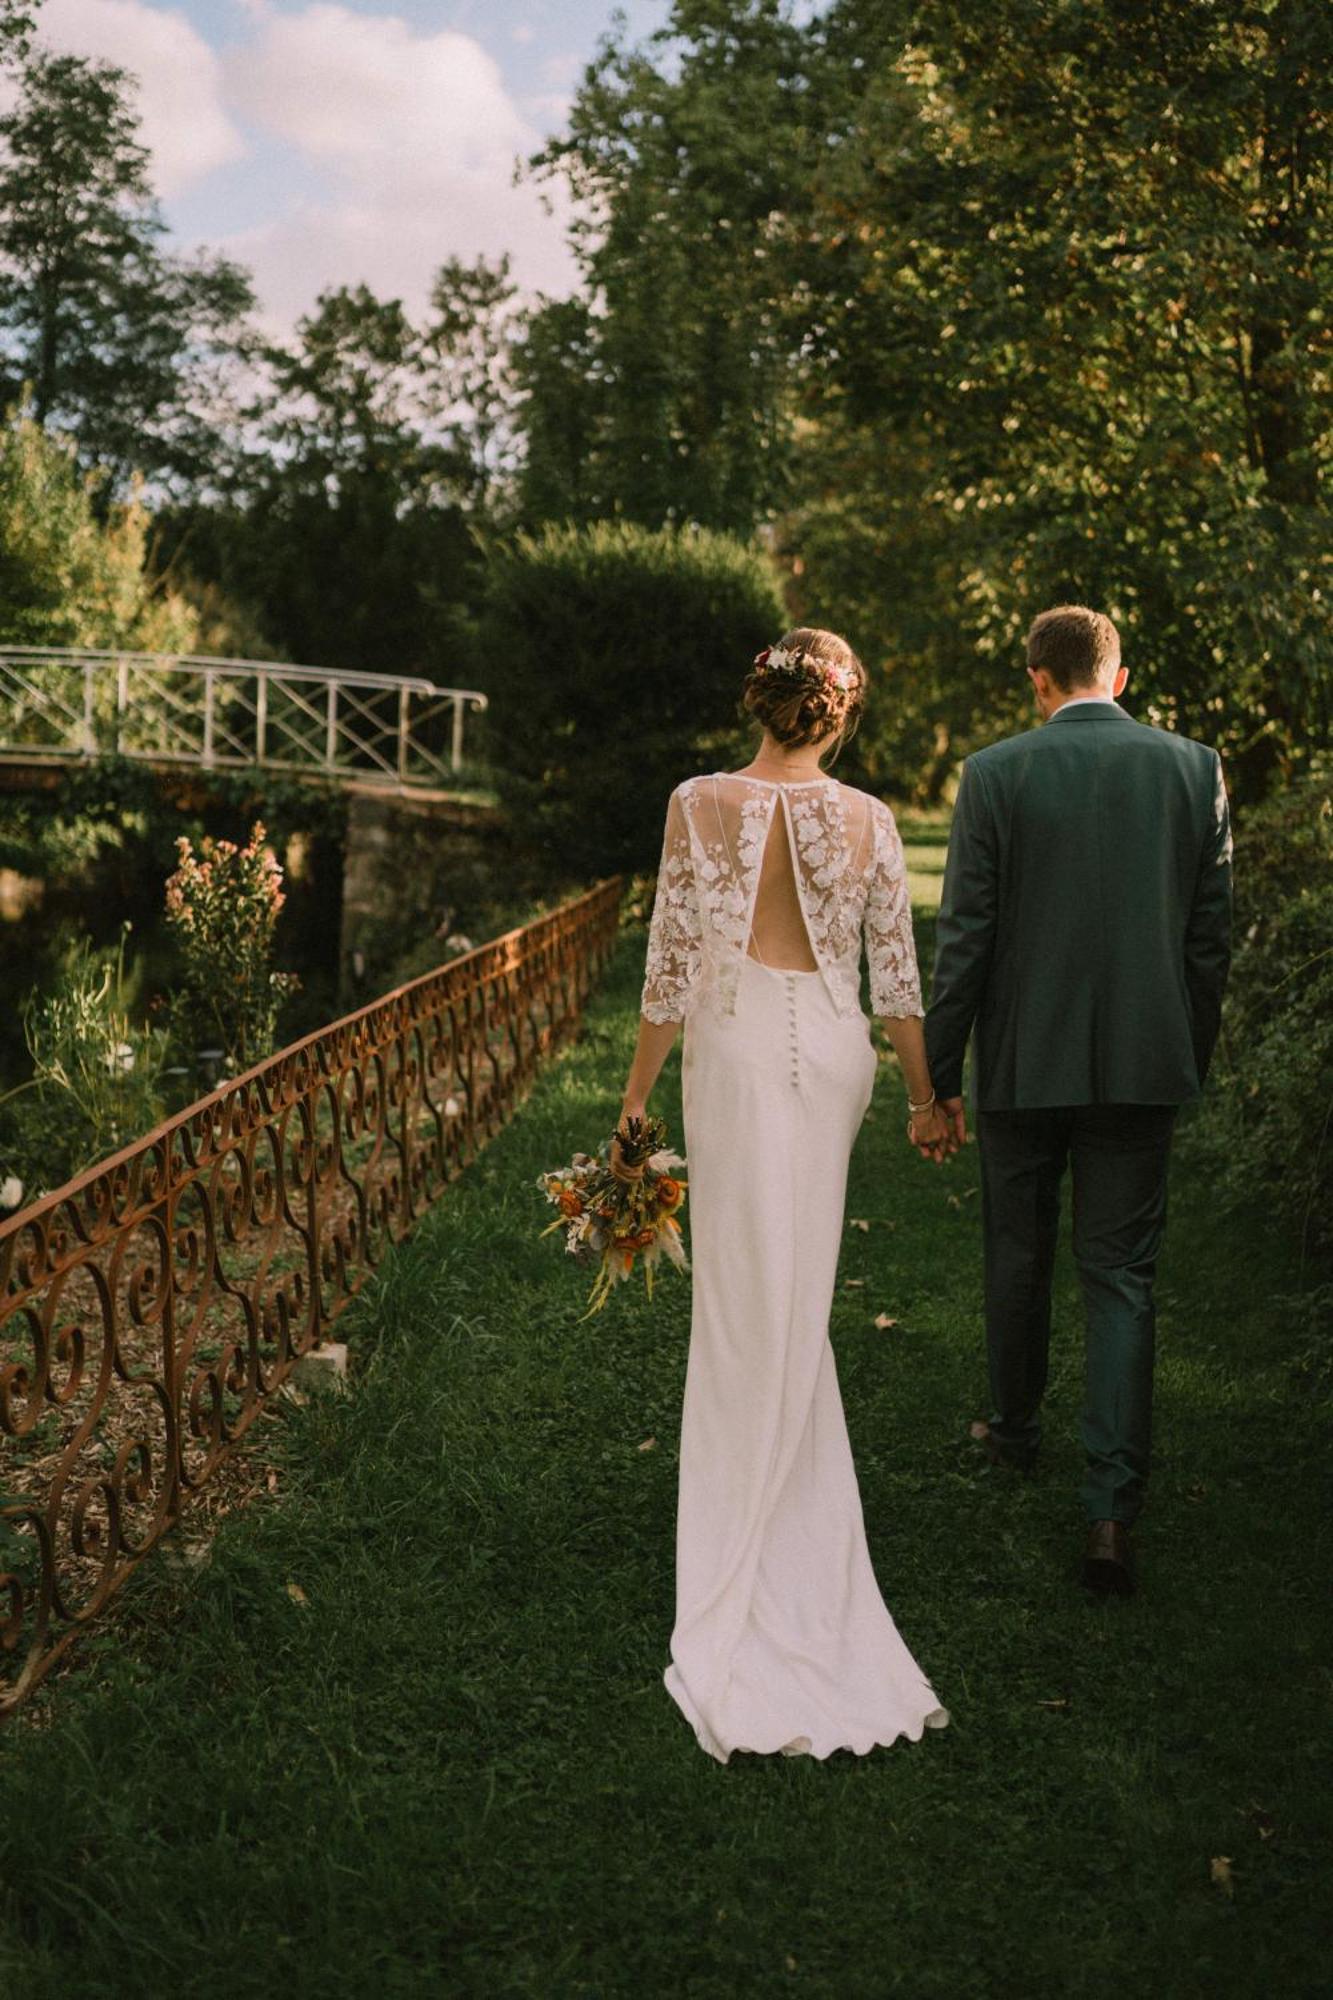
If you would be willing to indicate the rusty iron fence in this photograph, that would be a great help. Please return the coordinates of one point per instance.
(150, 1308)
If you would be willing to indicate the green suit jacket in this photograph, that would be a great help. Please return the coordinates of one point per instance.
(1085, 926)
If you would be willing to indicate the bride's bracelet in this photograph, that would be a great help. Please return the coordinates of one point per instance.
(915, 1110)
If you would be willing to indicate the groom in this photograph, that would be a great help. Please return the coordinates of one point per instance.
(1084, 942)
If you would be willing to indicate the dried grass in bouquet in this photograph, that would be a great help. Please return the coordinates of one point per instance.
(617, 1215)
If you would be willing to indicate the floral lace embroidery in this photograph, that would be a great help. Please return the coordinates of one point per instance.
(675, 934)
(851, 879)
(895, 980)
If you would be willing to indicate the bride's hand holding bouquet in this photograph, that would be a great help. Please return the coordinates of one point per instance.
(619, 1205)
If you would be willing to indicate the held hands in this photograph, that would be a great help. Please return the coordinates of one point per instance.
(952, 1107)
(931, 1133)
(938, 1129)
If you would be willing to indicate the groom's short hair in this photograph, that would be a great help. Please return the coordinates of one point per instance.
(1076, 646)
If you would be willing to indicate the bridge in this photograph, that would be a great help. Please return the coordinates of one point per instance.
(73, 703)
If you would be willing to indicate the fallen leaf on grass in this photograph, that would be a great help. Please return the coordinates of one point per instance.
(1197, 1492)
(648, 1444)
(1061, 1702)
(272, 1480)
(858, 1222)
(885, 1320)
(1219, 1870)
(1261, 1820)
(297, 1595)
(854, 1284)
(953, 1201)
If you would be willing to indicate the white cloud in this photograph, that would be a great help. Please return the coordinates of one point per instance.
(413, 137)
(357, 89)
(183, 117)
(371, 151)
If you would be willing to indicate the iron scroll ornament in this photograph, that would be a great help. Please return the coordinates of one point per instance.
(151, 1306)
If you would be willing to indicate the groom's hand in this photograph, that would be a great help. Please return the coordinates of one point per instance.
(952, 1107)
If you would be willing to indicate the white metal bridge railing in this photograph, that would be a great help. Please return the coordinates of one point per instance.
(174, 708)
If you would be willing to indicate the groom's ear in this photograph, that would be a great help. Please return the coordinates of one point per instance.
(1118, 684)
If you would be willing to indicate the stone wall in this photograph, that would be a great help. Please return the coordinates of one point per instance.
(415, 871)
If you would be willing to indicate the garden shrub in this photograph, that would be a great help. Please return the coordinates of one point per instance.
(613, 659)
(69, 575)
(223, 904)
(1267, 1119)
(97, 1080)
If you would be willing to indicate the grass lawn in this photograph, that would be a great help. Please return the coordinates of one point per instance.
(407, 1734)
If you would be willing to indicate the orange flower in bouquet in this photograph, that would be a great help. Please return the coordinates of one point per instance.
(619, 1216)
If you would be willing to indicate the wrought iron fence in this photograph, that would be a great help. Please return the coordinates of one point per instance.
(151, 1307)
(170, 708)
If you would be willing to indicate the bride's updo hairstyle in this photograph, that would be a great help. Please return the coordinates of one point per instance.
(808, 688)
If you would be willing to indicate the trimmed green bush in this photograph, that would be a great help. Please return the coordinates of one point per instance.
(615, 656)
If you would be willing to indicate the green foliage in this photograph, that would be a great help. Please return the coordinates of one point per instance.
(560, 392)
(683, 159)
(466, 352)
(16, 25)
(97, 1078)
(985, 307)
(123, 344)
(71, 574)
(617, 657)
(102, 845)
(222, 904)
(1268, 1117)
(344, 538)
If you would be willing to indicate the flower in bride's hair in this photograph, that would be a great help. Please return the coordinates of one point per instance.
(761, 659)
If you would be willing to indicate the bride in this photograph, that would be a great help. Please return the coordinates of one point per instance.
(770, 876)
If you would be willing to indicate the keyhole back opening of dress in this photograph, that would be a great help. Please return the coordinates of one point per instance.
(779, 935)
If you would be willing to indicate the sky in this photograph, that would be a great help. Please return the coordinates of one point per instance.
(324, 142)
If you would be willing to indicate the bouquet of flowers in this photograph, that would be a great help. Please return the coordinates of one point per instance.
(616, 1215)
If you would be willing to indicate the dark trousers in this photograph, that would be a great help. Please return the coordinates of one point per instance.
(1117, 1155)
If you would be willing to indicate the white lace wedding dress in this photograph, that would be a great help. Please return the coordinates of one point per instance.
(782, 1640)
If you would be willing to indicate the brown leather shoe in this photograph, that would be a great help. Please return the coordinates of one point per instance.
(1106, 1561)
(1018, 1458)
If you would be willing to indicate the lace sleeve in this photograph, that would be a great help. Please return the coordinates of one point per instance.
(674, 951)
(895, 982)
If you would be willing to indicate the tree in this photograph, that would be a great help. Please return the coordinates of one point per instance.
(1082, 256)
(343, 528)
(466, 355)
(683, 159)
(561, 395)
(123, 344)
(71, 574)
(984, 307)
(16, 26)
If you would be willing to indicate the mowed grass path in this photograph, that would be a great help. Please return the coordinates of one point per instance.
(407, 1733)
